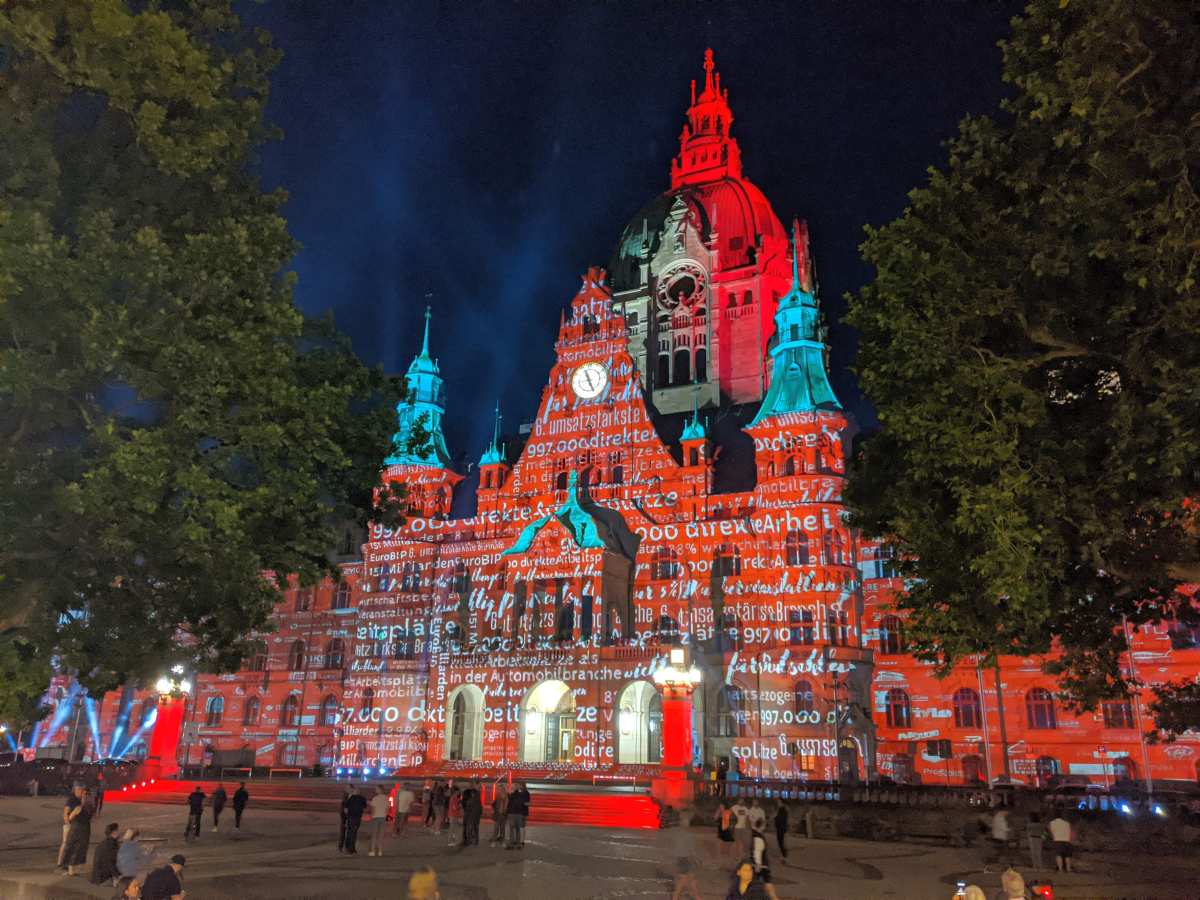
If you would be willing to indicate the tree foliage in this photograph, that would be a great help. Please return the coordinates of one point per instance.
(170, 424)
(1031, 341)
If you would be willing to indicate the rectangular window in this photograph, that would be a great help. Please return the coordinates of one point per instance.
(802, 627)
(941, 749)
(1117, 714)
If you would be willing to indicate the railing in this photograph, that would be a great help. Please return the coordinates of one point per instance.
(299, 773)
(245, 770)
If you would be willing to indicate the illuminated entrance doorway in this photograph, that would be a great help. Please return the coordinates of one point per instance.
(548, 724)
(639, 724)
(464, 723)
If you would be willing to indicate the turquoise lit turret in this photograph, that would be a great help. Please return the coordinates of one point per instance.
(425, 403)
(695, 430)
(799, 382)
(494, 454)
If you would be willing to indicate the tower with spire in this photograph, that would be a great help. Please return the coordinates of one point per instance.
(699, 268)
(419, 458)
(493, 469)
(800, 427)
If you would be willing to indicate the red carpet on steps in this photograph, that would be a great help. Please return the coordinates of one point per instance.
(555, 805)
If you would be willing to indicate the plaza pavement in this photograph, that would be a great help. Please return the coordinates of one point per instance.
(282, 854)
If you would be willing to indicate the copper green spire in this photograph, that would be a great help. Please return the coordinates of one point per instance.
(495, 452)
(799, 382)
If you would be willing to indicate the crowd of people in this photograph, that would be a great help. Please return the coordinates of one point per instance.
(455, 810)
(124, 861)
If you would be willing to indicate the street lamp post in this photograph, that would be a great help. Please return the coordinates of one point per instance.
(678, 680)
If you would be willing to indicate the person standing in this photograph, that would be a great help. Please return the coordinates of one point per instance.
(165, 883)
(99, 792)
(218, 804)
(725, 823)
(685, 863)
(104, 860)
(240, 797)
(472, 814)
(757, 816)
(518, 811)
(356, 805)
(441, 798)
(73, 800)
(741, 823)
(762, 868)
(781, 829)
(1062, 835)
(404, 798)
(499, 813)
(379, 811)
(195, 801)
(1000, 835)
(343, 817)
(427, 802)
(1035, 833)
(79, 836)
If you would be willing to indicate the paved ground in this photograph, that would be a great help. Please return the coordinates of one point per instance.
(293, 855)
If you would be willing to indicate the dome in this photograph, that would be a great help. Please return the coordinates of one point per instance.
(740, 211)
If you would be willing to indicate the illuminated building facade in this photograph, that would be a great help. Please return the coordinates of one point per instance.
(680, 485)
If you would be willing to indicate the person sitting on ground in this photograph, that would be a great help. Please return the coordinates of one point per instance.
(1012, 887)
(104, 860)
(745, 886)
(165, 883)
(132, 858)
(128, 889)
(423, 885)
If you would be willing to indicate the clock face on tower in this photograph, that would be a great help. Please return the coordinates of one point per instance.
(589, 380)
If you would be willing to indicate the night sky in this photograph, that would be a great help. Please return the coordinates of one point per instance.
(486, 153)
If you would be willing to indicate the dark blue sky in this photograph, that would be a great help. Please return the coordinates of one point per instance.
(487, 152)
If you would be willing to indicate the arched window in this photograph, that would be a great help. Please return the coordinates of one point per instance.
(464, 724)
(891, 636)
(728, 561)
(789, 466)
(1117, 713)
(560, 481)
(335, 656)
(1039, 709)
(404, 645)
(368, 700)
(730, 718)
(693, 456)
(564, 622)
(899, 712)
(289, 713)
(797, 548)
(683, 367)
(618, 475)
(665, 566)
(805, 701)
(256, 659)
(341, 597)
(329, 711)
(251, 711)
(701, 364)
(214, 711)
(967, 711)
(296, 658)
(667, 629)
(304, 598)
(747, 298)
(664, 370)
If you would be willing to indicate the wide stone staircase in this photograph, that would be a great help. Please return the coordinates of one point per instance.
(551, 804)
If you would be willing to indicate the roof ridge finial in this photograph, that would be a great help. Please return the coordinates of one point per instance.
(496, 431)
(709, 65)
(425, 340)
